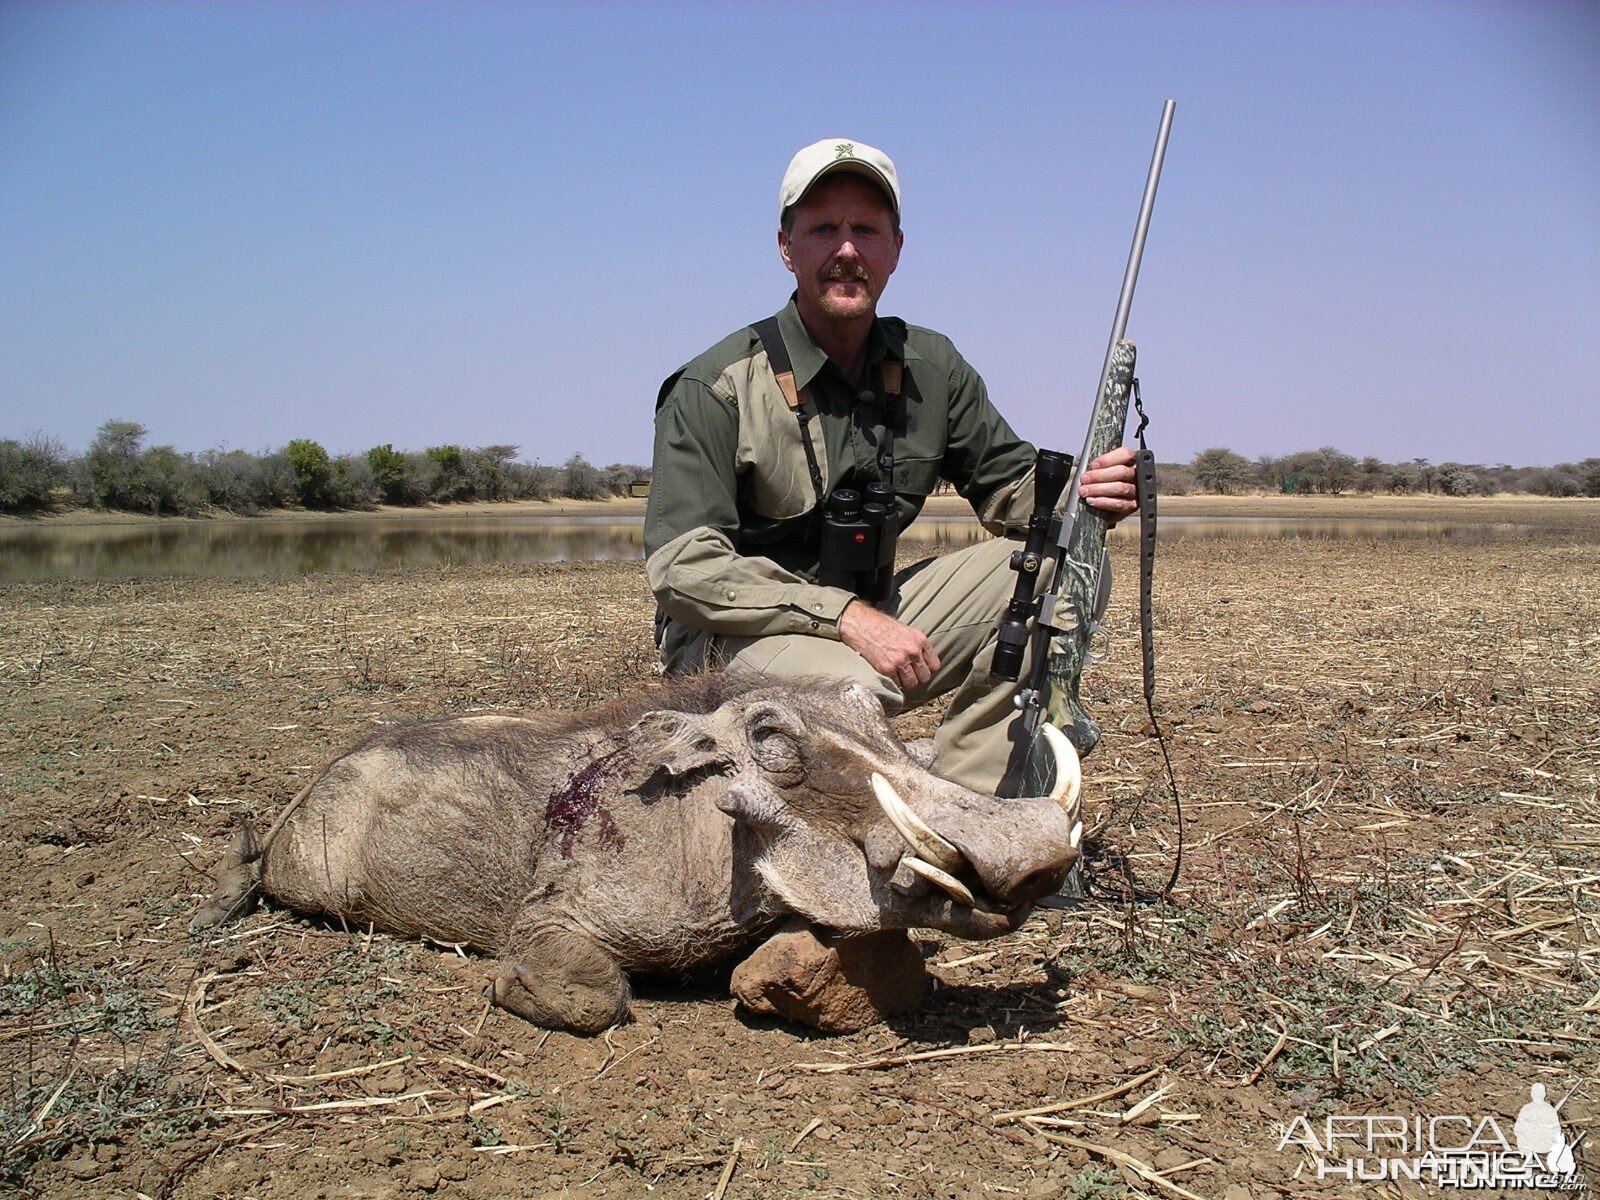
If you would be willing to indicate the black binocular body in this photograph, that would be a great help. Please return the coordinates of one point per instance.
(858, 541)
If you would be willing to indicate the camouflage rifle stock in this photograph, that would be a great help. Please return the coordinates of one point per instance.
(1064, 625)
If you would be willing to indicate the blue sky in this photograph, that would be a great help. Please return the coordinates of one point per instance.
(1379, 225)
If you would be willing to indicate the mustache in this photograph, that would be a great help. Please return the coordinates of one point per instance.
(848, 271)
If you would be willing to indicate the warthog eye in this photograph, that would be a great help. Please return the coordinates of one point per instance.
(778, 754)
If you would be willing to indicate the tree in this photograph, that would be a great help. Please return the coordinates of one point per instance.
(1403, 478)
(450, 478)
(581, 480)
(31, 472)
(1371, 474)
(1462, 479)
(1335, 469)
(388, 472)
(111, 465)
(1219, 469)
(234, 480)
(1274, 476)
(1425, 474)
(488, 468)
(169, 482)
(1589, 476)
(352, 485)
(313, 473)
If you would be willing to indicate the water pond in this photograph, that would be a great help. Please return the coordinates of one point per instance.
(274, 548)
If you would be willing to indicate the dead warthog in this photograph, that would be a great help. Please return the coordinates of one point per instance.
(660, 833)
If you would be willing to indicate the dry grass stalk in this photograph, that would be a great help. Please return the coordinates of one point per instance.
(1116, 1157)
(728, 1169)
(900, 1060)
(325, 1106)
(1084, 1102)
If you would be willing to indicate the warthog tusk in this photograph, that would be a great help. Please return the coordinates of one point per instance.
(913, 828)
(1069, 778)
(952, 886)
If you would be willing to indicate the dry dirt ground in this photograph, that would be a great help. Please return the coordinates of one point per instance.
(1388, 752)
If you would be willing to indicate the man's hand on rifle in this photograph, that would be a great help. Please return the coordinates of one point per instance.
(893, 650)
(1107, 485)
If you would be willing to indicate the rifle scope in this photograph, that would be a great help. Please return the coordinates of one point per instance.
(1051, 471)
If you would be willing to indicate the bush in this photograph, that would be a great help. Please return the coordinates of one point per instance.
(313, 473)
(169, 482)
(619, 477)
(1174, 479)
(388, 467)
(399, 478)
(31, 473)
(117, 473)
(1221, 470)
(277, 480)
(450, 480)
(581, 480)
(353, 485)
(1589, 476)
(533, 481)
(234, 480)
(488, 469)
(1458, 479)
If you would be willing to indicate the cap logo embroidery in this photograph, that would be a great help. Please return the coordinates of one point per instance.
(844, 150)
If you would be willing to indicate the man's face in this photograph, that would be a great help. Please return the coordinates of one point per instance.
(842, 248)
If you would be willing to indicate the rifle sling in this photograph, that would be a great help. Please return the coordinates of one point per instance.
(1144, 482)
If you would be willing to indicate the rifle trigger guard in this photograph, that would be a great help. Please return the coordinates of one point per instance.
(1099, 643)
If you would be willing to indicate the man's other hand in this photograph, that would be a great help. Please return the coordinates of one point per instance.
(893, 650)
(1107, 485)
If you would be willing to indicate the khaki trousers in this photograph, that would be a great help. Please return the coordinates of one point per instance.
(956, 600)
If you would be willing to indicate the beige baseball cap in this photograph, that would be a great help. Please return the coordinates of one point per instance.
(837, 154)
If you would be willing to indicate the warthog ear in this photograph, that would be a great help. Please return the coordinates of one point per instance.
(674, 744)
(863, 696)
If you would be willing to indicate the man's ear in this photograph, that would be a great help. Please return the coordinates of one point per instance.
(783, 249)
(672, 744)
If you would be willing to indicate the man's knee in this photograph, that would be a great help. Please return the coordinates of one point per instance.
(796, 656)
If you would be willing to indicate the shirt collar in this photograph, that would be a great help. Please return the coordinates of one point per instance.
(884, 340)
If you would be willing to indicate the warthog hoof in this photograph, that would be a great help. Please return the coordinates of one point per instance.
(563, 980)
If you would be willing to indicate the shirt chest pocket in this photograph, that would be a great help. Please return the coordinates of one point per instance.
(774, 471)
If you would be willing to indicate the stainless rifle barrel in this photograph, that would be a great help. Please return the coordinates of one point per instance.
(1130, 277)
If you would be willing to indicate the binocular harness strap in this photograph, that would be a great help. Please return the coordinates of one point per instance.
(771, 338)
(783, 371)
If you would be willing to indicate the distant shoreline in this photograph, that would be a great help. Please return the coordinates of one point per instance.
(1541, 510)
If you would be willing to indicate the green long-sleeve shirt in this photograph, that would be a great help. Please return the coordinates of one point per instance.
(730, 542)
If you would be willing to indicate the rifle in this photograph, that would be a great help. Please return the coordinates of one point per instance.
(1063, 625)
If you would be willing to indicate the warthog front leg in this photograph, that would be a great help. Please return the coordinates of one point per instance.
(562, 979)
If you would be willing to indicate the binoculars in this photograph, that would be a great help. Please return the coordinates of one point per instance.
(858, 541)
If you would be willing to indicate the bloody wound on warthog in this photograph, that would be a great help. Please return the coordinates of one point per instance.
(571, 805)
